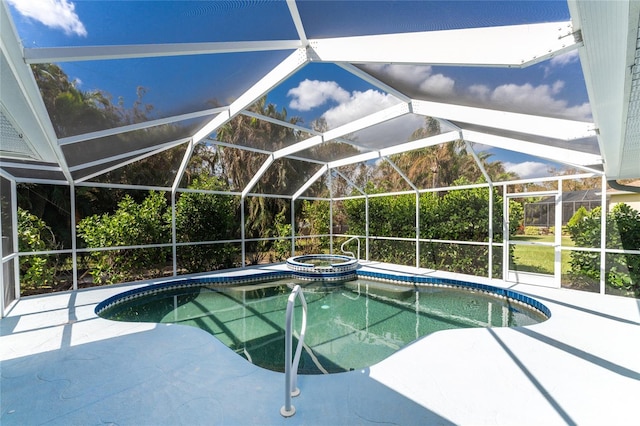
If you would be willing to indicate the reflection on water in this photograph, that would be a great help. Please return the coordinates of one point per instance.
(350, 325)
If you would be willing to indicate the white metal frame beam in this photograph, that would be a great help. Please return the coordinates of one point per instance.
(310, 182)
(609, 66)
(297, 21)
(505, 46)
(41, 55)
(138, 126)
(397, 149)
(281, 72)
(368, 121)
(257, 176)
(560, 155)
(556, 128)
(375, 118)
(299, 128)
(138, 155)
(374, 81)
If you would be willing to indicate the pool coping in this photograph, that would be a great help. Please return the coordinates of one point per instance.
(61, 364)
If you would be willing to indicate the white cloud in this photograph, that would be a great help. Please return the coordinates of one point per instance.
(438, 85)
(527, 169)
(567, 58)
(480, 91)
(543, 99)
(418, 75)
(313, 93)
(58, 14)
(358, 105)
(539, 100)
(352, 106)
(413, 74)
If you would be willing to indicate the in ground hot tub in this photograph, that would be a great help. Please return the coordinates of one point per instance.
(323, 267)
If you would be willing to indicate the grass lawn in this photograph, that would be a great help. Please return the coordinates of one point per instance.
(539, 259)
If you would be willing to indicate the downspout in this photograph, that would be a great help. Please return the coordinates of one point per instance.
(622, 187)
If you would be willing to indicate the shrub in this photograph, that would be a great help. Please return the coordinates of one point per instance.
(206, 217)
(35, 235)
(456, 215)
(577, 217)
(282, 247)
(623, 232)
(131, 224)
(315, 221)
(532, 230)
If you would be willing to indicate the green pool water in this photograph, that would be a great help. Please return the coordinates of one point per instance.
(349, 326)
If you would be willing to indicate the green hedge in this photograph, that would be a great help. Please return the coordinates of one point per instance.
(622, 271)
(461, 215)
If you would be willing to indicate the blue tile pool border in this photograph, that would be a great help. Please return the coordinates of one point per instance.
(409, 280)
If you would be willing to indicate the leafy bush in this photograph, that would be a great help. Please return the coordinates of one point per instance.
(132, 224)
(389, 216)
(35, 235)
(461, 215)
(532, 230)
(577, 217)
(623, 232)
(282, 247)
(315, 221)
(206, 217)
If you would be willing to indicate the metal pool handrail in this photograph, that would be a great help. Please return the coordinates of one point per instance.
(350, 252)
(291, 367)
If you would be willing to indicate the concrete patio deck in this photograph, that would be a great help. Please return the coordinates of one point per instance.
(60, 364)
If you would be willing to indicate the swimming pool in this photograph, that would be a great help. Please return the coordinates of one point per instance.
(351, 325)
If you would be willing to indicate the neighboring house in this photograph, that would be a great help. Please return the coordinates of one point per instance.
(542, 213)
(615, 196)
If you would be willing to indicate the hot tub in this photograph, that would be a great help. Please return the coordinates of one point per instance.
(323, 267)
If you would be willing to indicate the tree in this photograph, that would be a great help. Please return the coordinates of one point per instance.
(439, 165)
(73, 111)
(241, 165)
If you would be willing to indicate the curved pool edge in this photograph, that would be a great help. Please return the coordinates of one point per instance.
(399, 279)
(448, 282)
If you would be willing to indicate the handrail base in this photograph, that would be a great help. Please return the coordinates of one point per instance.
(287, 413)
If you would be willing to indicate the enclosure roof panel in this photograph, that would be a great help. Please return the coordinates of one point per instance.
(99, 22)
(344, 18)
(104, 83)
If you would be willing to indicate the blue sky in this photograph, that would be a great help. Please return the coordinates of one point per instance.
(184, 84)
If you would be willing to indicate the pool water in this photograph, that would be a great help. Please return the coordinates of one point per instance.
(350, 326)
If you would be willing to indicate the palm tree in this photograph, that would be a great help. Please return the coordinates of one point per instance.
(241, 165)
(71, 110)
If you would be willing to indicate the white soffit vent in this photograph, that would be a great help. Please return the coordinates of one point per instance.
(14, 143)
